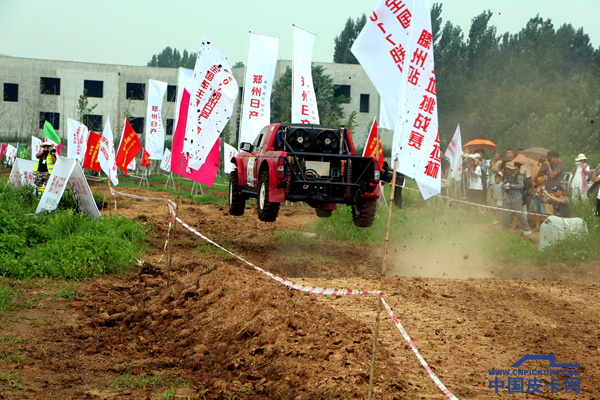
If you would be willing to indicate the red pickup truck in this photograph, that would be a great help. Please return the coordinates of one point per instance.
(315, 164)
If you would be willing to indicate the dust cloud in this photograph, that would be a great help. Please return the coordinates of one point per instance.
(450, 254)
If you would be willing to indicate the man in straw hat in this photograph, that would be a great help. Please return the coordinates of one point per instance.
(579, 178)
(45, 163)
(513, 186)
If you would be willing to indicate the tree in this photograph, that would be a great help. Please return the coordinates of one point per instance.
(344, 41)
(172, 58)
(330, 110)
(238, 64)
(83, 107)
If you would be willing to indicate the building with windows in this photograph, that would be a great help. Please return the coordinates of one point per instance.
(35, 91)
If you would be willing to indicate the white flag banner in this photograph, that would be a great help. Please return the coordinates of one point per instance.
(132, 165)
(106, 154)
(82, 193)
(381, 49)
(211, 103)
(185, 80)
(260, 72)
(386, 121)
(454, 154)
(68, 171)
(36, 147)
(304, 101)
(11, 154)
(22, 173)
(155, 133)
(165, 164)
(228, 153)
(416, 141)
(77, 135)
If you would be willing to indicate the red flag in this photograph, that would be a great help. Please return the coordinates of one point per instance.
(145, 159)
(91, 154)
(208, 171)
(371, 146)
(129, 148)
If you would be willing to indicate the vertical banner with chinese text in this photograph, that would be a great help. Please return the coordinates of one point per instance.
(210, 105)
(260, 72)
(304, 101)
(77, 135)
(165, 164)
(11, 154)
(381, 49)
(185, 80)
(106, 153)
(454, 154)
(208, 171)
(36, 147)
(416, 141)
(90, 161)
(228, 153)
(155, 133)
(373, 145)
(129, 147)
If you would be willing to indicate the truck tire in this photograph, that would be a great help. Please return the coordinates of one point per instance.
(237, 202)
(266, 211)
(363, 212)
(323, 213)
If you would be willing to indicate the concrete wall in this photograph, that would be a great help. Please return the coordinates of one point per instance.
(20, 119)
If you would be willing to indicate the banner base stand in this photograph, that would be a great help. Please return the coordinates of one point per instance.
(170, 179)
(144, 179)
(196, 185)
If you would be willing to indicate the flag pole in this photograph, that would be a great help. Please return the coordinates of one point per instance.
(381, 279)
(175, 222)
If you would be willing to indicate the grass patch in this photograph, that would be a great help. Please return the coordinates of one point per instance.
(14, 357)
(11, 380)
(7, 297)
(64, 243)
(288, 238)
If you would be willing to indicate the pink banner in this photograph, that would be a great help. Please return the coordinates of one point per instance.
(208, 171)
(2, 149)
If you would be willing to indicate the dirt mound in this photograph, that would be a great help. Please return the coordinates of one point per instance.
(234, 331)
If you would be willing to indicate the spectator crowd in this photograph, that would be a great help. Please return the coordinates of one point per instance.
(514, 184)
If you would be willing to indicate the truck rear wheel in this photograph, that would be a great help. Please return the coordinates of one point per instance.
(237, 203)
(266, 211)
(363, 212)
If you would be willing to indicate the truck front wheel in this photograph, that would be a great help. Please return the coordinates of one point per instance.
(266, 211)
(237, 203)
(363, 212)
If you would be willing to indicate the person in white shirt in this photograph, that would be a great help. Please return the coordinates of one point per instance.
(475, 189)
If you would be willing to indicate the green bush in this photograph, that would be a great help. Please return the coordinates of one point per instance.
(64, 243)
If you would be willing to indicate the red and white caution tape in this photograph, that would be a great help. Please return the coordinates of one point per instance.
(133, 196)
(476, 204)
(290, 284)
(431, 374)
(309, 289)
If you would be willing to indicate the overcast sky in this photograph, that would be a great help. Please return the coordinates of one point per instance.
(130, 31)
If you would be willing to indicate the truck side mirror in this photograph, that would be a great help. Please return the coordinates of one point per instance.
(246, 146)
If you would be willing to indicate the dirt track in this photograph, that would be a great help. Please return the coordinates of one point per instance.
(215, 328)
